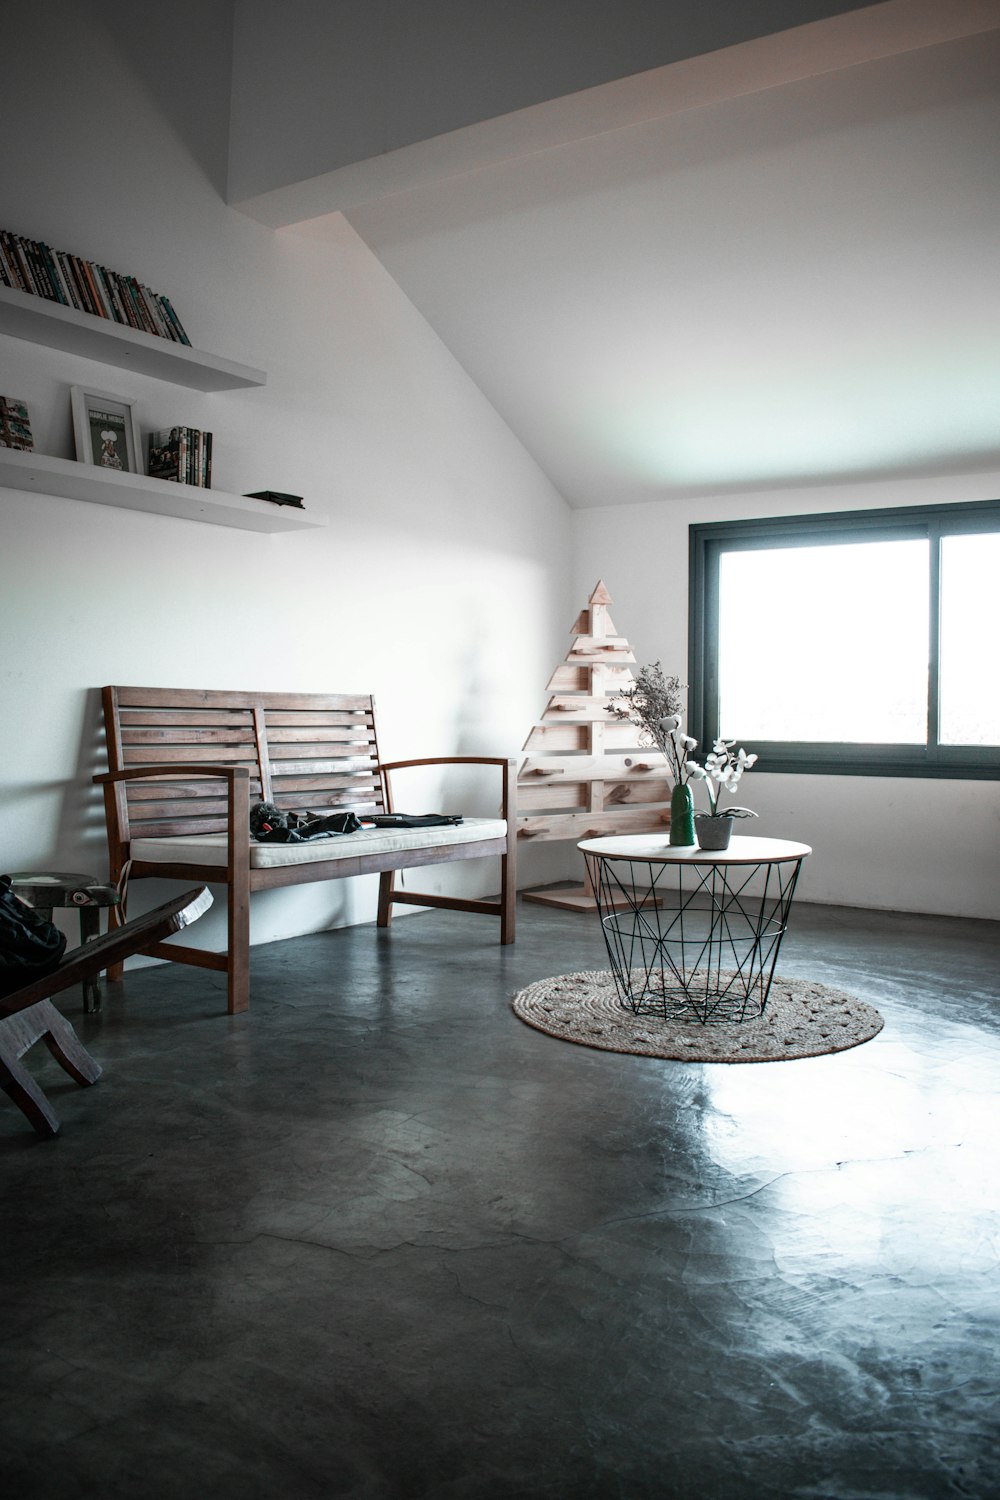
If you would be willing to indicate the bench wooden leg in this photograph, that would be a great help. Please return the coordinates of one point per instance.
(116, 916)
(41, 1022)
(508, 899)
(238, 965)
(386, 886)
(506, 907)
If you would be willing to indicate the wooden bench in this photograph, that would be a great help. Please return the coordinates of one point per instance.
(185, 765)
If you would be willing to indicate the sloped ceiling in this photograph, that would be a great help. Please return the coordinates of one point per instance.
(742, 287)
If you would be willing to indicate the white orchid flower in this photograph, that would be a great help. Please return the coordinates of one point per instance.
(725, 768)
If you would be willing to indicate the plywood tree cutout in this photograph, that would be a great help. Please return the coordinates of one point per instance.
(586, 773)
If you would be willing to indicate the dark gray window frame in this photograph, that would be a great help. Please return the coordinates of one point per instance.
(708, 542)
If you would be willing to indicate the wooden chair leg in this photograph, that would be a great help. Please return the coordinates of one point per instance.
(508, 899)
(40, 1022)
(67, 1048)
(238, 966)
(386, 886)
(19, 1086)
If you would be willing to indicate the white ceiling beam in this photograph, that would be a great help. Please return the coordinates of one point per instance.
(844, 41)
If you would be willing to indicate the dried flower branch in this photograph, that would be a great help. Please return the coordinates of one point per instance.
(654, 702)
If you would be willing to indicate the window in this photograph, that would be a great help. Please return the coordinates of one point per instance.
(859, 642)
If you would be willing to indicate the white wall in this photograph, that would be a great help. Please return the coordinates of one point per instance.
(444, 581)
(441, 581)
(901, 844)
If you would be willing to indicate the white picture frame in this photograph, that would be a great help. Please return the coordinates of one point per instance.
(106, 430)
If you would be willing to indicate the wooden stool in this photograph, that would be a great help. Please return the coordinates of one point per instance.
(87, 893)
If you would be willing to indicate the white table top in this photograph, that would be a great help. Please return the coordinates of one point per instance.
(655, 848)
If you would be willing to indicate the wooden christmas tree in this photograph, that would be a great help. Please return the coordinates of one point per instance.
(586, 773)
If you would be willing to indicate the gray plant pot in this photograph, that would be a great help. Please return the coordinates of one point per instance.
(714, 832)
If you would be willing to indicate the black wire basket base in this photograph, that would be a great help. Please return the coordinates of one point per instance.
(710, 966)
(703, 997)
(694, 939)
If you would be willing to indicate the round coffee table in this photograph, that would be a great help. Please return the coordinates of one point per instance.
(693, 934)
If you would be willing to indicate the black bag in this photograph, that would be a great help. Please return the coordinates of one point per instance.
(269, 825)
(415, 820)
(29, 945)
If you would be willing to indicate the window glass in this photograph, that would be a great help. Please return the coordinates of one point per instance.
(855, 643)
(825, 643)
(969, 691)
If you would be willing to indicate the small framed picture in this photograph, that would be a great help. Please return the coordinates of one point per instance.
(106, 430)
(15, 428)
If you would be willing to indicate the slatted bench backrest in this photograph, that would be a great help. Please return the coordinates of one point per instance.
(304, 751)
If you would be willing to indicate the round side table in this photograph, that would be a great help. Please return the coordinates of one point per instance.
(87, 893)
(693, 934)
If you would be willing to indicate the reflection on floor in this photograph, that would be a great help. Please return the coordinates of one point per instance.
(378, 1238)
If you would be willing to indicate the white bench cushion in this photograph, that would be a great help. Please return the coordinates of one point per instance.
(210, 848)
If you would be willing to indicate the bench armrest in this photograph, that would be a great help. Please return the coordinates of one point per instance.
(238, 810)
(508, 775)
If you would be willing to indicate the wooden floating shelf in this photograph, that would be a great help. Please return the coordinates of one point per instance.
(187, 502)
(40, 321)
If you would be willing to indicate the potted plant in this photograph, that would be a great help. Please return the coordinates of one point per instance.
(654, 703)
(722, 770)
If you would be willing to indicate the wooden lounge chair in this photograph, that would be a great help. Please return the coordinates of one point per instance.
(28, 1015)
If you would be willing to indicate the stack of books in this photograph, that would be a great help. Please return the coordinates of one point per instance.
(183, 454)
(31, 266)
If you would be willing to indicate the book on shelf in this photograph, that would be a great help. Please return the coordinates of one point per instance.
(181, 454)
(15, 425)
(31, 266)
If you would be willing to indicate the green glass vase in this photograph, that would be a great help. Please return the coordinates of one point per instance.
(681, 814)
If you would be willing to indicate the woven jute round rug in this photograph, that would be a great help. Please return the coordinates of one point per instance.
(802, 1019)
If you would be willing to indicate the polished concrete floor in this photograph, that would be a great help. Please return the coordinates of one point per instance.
(379, 1239)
